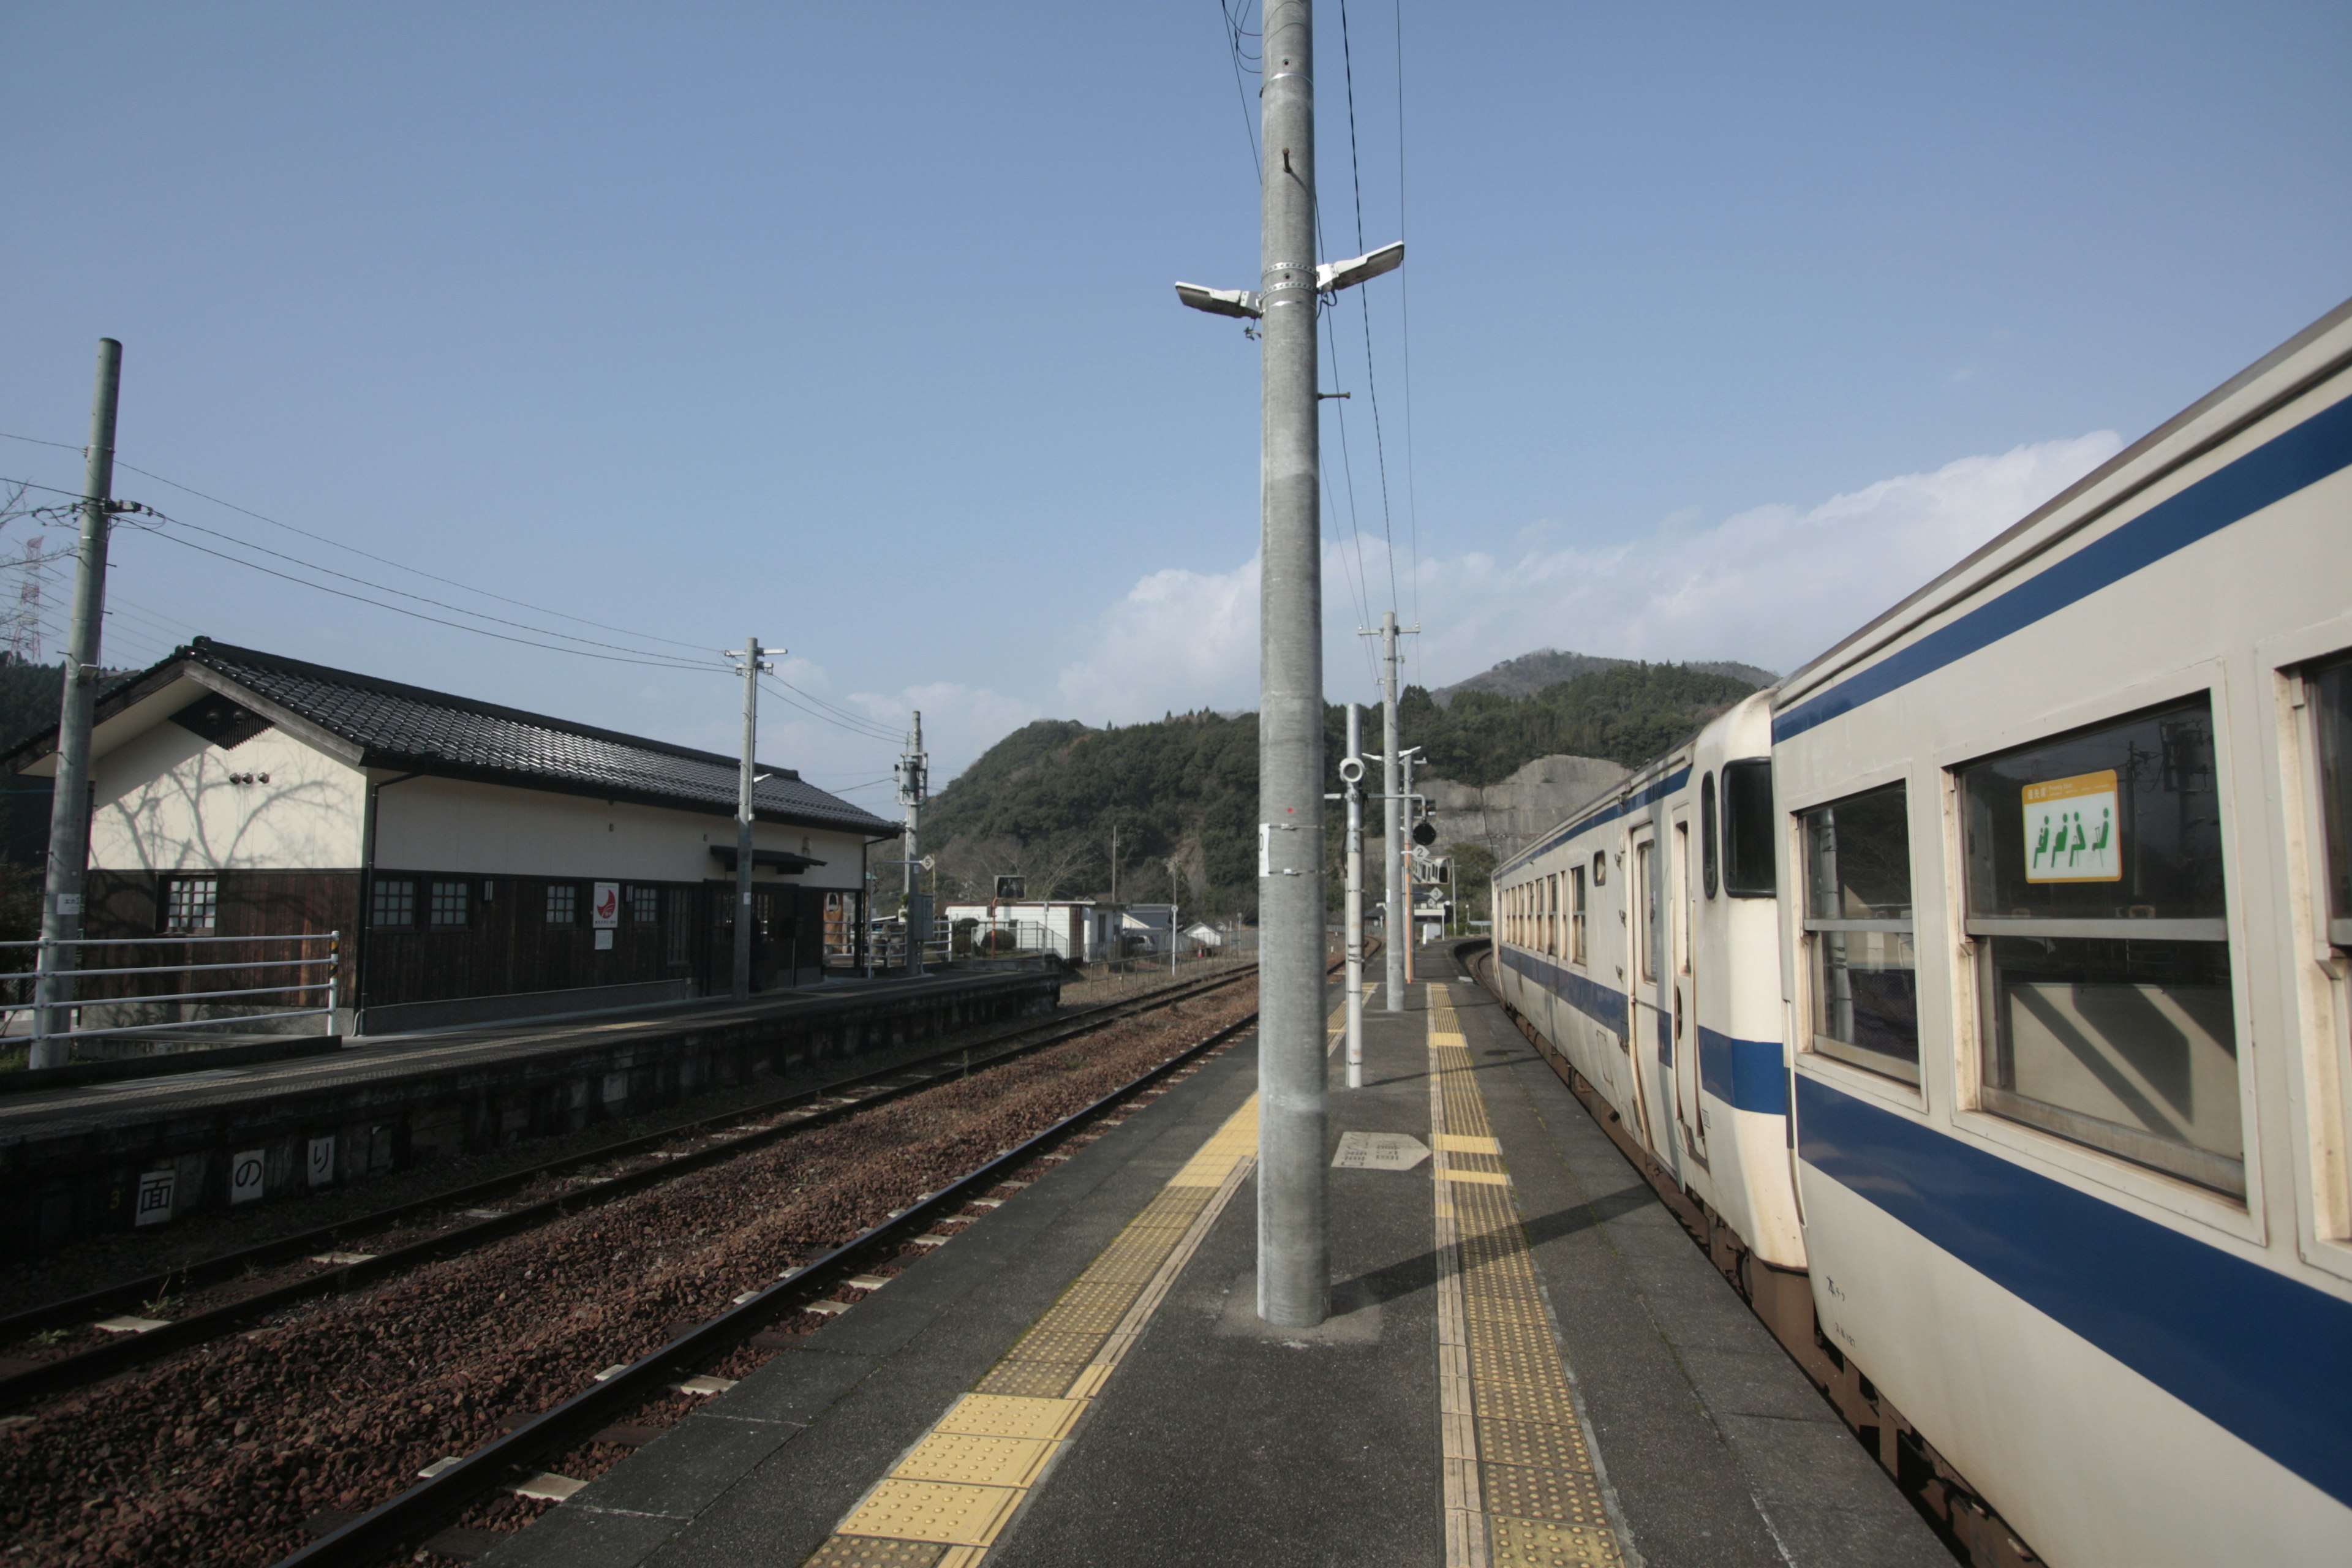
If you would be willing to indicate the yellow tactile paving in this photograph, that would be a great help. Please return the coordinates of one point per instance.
(1000, 1416)
(976, 1461)
(932, 1511)
(954, 1489)
(1520, 1487)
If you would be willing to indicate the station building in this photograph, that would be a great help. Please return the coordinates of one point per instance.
(478, 862)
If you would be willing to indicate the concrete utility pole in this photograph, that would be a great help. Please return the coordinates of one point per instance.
(1391, 814)
(1403, 859)
(1351, 774)
(746, 778)
(1294, 1273)
(69, 803)
(914, 779)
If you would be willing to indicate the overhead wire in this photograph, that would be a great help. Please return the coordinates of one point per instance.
(1404, 329)
(1363, 299)
(863, 732)
(1237, 16)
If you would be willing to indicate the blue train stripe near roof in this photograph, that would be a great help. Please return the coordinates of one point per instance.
(1747, 1074)
(1649, 795)
(2254, 1350)
(2288, 462)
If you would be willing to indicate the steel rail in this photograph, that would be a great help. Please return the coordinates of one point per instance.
(131, 1350)
(405, 1521)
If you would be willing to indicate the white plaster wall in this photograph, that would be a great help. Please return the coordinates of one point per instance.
(431, 824)
(164, 802)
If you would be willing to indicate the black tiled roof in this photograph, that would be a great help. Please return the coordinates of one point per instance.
(411, 728)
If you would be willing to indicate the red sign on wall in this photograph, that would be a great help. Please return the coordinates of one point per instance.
(604, 909)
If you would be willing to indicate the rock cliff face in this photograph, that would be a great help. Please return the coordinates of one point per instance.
(1505, 817)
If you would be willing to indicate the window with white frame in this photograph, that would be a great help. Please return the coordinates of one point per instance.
(191, 903)
(563, 903)
(645, 906)
(2096, 906)
(1861, 967)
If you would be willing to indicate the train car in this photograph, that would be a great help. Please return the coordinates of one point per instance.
(2067, 903)
(2023, 921)
(1640, 938)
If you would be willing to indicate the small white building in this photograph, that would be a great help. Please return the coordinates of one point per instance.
(1079, 930)
(478, 860)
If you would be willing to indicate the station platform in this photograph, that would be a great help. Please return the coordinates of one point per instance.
(1527, 1362)
(72, 1158)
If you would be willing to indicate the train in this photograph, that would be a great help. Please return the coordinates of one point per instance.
(1982, 996)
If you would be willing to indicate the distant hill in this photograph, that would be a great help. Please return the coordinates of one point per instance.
(1531, 672)
(1043, 802)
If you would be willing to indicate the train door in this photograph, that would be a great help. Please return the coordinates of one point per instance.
(1647, 1029)
(1682, 984)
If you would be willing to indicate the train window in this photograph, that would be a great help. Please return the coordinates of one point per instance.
(1863, 969)
(1647, 879)
(1551, 915)
(1748, 868)
(2095, 899)
(2330, 695)
(1576, 917)
(1706, 832)
(1599, 867)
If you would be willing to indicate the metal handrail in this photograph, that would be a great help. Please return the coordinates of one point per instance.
(177, 996)
(163, 936)
(188, 968)
(293, 988)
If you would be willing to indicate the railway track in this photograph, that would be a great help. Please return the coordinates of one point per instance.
(327, 1260)
(223, 1456)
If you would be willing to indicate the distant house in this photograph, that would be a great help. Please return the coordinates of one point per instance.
(1077, 929)
(480, 861)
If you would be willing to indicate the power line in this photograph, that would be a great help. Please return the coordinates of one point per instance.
(1234, 33)
(435, 620)
(421, 598)
(862, 732)
(402, 566)
(849, 714)
(1363, 299)
(1404, 312)
(37, 441)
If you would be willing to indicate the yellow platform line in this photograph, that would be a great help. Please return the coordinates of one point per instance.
(948, 1497)
(1520, 1485)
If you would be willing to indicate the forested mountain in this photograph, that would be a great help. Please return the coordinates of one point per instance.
(1532, 672)
(1043, 802)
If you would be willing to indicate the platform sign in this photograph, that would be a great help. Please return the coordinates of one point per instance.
(2073, 829)
(322, 1160)
(604, 909)
(155, 1190)
(245, 1176)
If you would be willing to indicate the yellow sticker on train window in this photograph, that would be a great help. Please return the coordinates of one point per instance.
(2073, 829)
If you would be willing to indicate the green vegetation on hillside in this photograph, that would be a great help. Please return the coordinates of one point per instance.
(1043, 802)
(1628, 713)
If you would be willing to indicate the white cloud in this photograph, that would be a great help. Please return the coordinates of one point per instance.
(1772, 586)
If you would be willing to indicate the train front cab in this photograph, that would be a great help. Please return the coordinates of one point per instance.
(2068, 896)
(1639, 940)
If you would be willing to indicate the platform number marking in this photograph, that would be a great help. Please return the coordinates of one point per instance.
(322, 1160)
(245, 1176)
(155, 1190)
(2073, 829)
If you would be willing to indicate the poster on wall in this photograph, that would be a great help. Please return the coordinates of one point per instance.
(606, 908)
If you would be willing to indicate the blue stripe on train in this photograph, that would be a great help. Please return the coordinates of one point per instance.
(2286, 463)
(1747, 1074)
(2253, 1350)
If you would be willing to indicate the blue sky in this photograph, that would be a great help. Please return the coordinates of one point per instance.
(852, 326)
